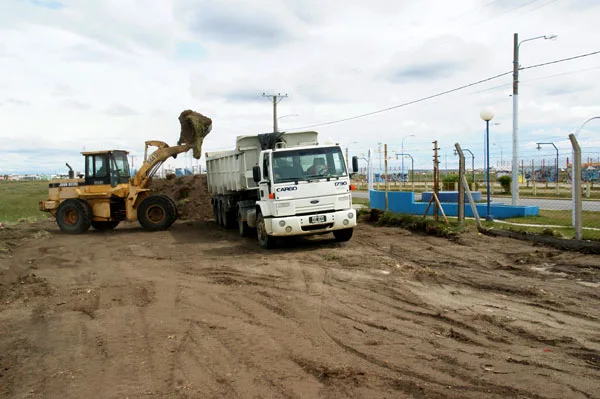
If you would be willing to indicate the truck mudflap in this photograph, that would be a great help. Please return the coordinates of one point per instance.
(311, 224)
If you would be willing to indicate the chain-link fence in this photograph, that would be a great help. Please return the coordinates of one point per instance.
(545, 185)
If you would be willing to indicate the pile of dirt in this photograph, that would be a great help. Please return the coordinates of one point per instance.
(189, 192)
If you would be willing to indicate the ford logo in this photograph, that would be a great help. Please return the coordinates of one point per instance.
(314, 201)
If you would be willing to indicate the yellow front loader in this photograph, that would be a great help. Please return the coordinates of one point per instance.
(106, 194)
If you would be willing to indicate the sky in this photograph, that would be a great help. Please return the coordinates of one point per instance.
(110, 74)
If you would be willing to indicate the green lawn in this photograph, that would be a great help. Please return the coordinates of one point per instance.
(19, 200)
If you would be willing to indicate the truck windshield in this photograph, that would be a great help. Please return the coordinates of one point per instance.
(306, 164)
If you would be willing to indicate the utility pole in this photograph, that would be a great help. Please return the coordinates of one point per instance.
(276, 99)
(515, 136)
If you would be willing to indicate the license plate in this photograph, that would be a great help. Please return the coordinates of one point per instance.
(317, 219)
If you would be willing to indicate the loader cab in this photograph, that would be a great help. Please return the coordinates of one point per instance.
(106, 167)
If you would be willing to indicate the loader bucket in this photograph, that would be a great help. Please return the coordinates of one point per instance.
(194, 127)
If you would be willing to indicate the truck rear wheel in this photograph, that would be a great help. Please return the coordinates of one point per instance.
(227, 217)
(74, 216)
(216, 212)
(343, 235)
(156, 213)
(103, 225)
(265, 241)
(243, 226)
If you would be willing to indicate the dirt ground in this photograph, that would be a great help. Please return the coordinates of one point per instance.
(198, 312)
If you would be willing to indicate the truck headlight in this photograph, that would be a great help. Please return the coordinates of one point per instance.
(281, 223)
(350, 215)
(281, 205)
(343, 198)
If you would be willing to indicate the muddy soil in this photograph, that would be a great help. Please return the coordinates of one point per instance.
(189, 192)
(198, 312)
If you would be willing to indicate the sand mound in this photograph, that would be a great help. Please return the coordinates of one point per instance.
(190, 193)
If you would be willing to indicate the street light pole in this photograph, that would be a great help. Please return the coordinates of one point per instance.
(487, 114)
(402, 167)
(539, 147)
(515, 96)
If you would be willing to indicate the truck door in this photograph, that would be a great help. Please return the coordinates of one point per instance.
(264, 186)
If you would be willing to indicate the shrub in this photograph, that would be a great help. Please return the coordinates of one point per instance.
(449, 180)
(505, 183)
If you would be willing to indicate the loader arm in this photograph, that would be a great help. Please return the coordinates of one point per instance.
(153, 162)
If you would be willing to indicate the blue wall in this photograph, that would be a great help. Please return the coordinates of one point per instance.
(404, 202)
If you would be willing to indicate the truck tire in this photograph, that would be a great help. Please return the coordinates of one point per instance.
(343, 235)
(227, 218)
(243, 227)
(103, 225)
(265, 241)
(74, 216)
(216, 212)
(156, 213)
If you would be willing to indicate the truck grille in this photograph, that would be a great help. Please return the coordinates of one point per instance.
(314, 208)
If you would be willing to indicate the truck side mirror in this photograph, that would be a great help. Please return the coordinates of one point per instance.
(355, 164)
(256, 173)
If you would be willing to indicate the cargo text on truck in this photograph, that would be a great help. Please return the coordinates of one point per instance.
(282, 184)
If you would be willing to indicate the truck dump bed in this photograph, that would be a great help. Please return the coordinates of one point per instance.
(231, 171)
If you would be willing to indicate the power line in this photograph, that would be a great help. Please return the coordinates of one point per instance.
(443, 92)
(561, 60)
(407, 103)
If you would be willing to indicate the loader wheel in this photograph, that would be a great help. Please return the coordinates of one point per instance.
(173, 203)
(265, 241)
(74, 216)
(103, 225)
(156, 213)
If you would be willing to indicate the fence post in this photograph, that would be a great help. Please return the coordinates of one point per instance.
(461, 188)
(577, 221)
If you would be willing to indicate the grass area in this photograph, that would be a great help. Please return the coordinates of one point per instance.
(19, 200)
(559, 218)
(360, 201)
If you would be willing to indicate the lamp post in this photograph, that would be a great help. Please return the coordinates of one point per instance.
(402, 167)
(412, 167)
(487, 114)
(539, 147)
(472, 163)
(515, 96)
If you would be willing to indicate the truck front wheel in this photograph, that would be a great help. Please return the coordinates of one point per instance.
(343, 235)
(265, 241)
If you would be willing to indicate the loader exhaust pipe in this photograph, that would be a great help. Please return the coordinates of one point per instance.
(71, 173)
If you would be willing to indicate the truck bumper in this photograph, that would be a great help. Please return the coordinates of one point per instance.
(300, 225)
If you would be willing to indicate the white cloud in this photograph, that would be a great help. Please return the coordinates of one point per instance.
(116, 73)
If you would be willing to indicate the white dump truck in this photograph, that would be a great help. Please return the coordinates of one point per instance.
(282, 184)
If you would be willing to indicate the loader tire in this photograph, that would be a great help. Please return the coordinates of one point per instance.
(103, 225)
(174, 205)
(74, 216)
(156, 212)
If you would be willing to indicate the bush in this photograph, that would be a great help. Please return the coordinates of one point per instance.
(449, 180)
(505, 183)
